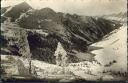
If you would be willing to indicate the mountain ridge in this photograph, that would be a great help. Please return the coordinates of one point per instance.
(73, 31)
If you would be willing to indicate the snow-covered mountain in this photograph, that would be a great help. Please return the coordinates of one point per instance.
(121, 16)
(35, 36)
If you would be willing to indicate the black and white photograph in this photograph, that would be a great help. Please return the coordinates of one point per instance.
(62, 41)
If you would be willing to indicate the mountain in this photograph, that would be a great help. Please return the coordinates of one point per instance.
(121, 16)
(15, 11)
(4, 9)
(75, 33)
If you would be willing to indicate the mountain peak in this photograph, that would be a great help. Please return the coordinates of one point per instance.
(47, 9)
(23, 4)
(15, 11)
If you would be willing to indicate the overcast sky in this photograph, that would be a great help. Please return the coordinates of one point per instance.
(82, 7)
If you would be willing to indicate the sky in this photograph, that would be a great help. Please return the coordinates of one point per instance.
(81, 7)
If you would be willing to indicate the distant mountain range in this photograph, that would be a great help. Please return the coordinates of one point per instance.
(73, 31)
(121, 16)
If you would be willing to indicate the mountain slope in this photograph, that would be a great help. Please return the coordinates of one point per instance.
(4, 9)
(15, 11)
(73, 28)
(115, 48)
(74, 32)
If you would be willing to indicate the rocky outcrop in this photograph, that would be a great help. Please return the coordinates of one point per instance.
(15, 40)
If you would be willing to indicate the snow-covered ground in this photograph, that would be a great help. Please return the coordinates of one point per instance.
(115, 48)
(41, 69)
(87, 70)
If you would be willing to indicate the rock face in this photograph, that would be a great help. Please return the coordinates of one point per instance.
(74, 32)
(16, 39)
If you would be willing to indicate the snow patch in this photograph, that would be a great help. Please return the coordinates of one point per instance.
(115, 48)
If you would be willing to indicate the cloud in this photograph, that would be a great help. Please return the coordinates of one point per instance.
(82, 7)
